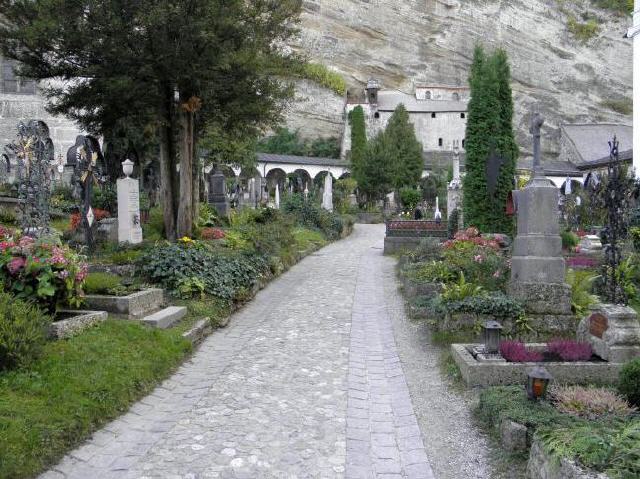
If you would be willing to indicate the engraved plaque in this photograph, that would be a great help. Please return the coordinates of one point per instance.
(598, 324)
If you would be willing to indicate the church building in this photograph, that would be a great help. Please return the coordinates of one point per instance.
(438, 113)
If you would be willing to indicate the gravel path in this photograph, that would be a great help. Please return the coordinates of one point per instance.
(306, 382)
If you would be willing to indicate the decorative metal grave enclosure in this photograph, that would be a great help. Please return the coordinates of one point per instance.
(33, 154)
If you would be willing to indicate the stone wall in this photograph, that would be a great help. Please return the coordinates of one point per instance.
(16, 108)
(404, 43)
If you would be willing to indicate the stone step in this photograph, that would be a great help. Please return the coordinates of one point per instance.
(165, 318)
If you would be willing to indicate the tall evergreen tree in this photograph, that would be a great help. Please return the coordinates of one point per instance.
(507, 146)
(406, 150)
(376, 177)
(358, 143)
(490, 145)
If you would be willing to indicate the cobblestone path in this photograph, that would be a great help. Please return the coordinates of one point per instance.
(306, 382)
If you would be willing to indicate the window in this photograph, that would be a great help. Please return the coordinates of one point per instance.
(10, 82)
(440, 142)
(427, 95)
(455, 97)
(462, 115)
(433, 115)
(376, 115)
(463, 143)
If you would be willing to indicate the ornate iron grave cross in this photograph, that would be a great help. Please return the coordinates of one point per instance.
(87, 153)
(32, 152)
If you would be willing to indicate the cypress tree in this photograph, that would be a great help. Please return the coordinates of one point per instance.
(489, 135)
(358, 143)
(507, 146)
(376, 177)
(406, 150)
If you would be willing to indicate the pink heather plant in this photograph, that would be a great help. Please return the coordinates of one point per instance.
(570, 350)
(589, 402)
(516, 352)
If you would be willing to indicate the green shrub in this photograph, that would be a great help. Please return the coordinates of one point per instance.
(569, 240)
(634, 234)
(629, 382)
(624, 106)
(153, 230)
(583, 31)
(225, 275)
(105, 198)
(126, 256)
(308, 213)
(428, 249)
(452, 225)
(581, 282)
(431, 272)
(496, 304)
(101, 283)
(410, 197)
(23, 331)
(461, 290)
(325, 77)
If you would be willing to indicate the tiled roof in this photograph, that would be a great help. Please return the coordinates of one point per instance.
(551, 167)
(302, 160)
(389, 100)
(590, 141)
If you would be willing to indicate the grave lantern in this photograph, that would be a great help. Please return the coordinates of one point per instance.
(538, 380)
(491, 333)
(127, 167)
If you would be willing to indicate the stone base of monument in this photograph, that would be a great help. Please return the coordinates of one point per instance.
(613, 332)
(478, 372)
(548, 306)
(222, 207)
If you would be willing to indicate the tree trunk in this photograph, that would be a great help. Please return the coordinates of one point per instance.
(197, 174)
(184, 225)
(167, 168)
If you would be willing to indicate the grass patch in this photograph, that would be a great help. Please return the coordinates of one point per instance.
(583, 31)
(213, 308)
(450, 369)
(306, 239)
(321, 75)
(76, 387)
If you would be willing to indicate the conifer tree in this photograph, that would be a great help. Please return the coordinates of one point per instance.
(489, 137)
(358, 142)
(376, 174)
(405, 150)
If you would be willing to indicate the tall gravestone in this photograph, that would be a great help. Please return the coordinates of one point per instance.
(454, 189)
(537, 265)
(218, 193)
(129, 227)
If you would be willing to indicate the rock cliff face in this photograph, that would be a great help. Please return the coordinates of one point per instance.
(404, 42)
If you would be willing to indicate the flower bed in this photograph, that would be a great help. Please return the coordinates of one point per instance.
(42, 270)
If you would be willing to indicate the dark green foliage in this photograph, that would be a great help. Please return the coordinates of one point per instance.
(497, 304)
(489, 134)
(410, 197)
(623, 7)
(226, 276)
(286, 142)
(404, 150)
(629, 382)
(358, 144)
(375, 178)
(569, 239)
(308, 213)
(452, 225)
(77, 386)
(105, 198)
(23, 331)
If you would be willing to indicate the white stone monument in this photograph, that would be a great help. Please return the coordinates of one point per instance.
(129, 227)
(277, 196)
(327, 196)
(454, 190)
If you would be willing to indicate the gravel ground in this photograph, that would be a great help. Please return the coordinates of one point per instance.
(455, 446)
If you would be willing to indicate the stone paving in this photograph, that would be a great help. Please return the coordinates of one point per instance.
(306, 382)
